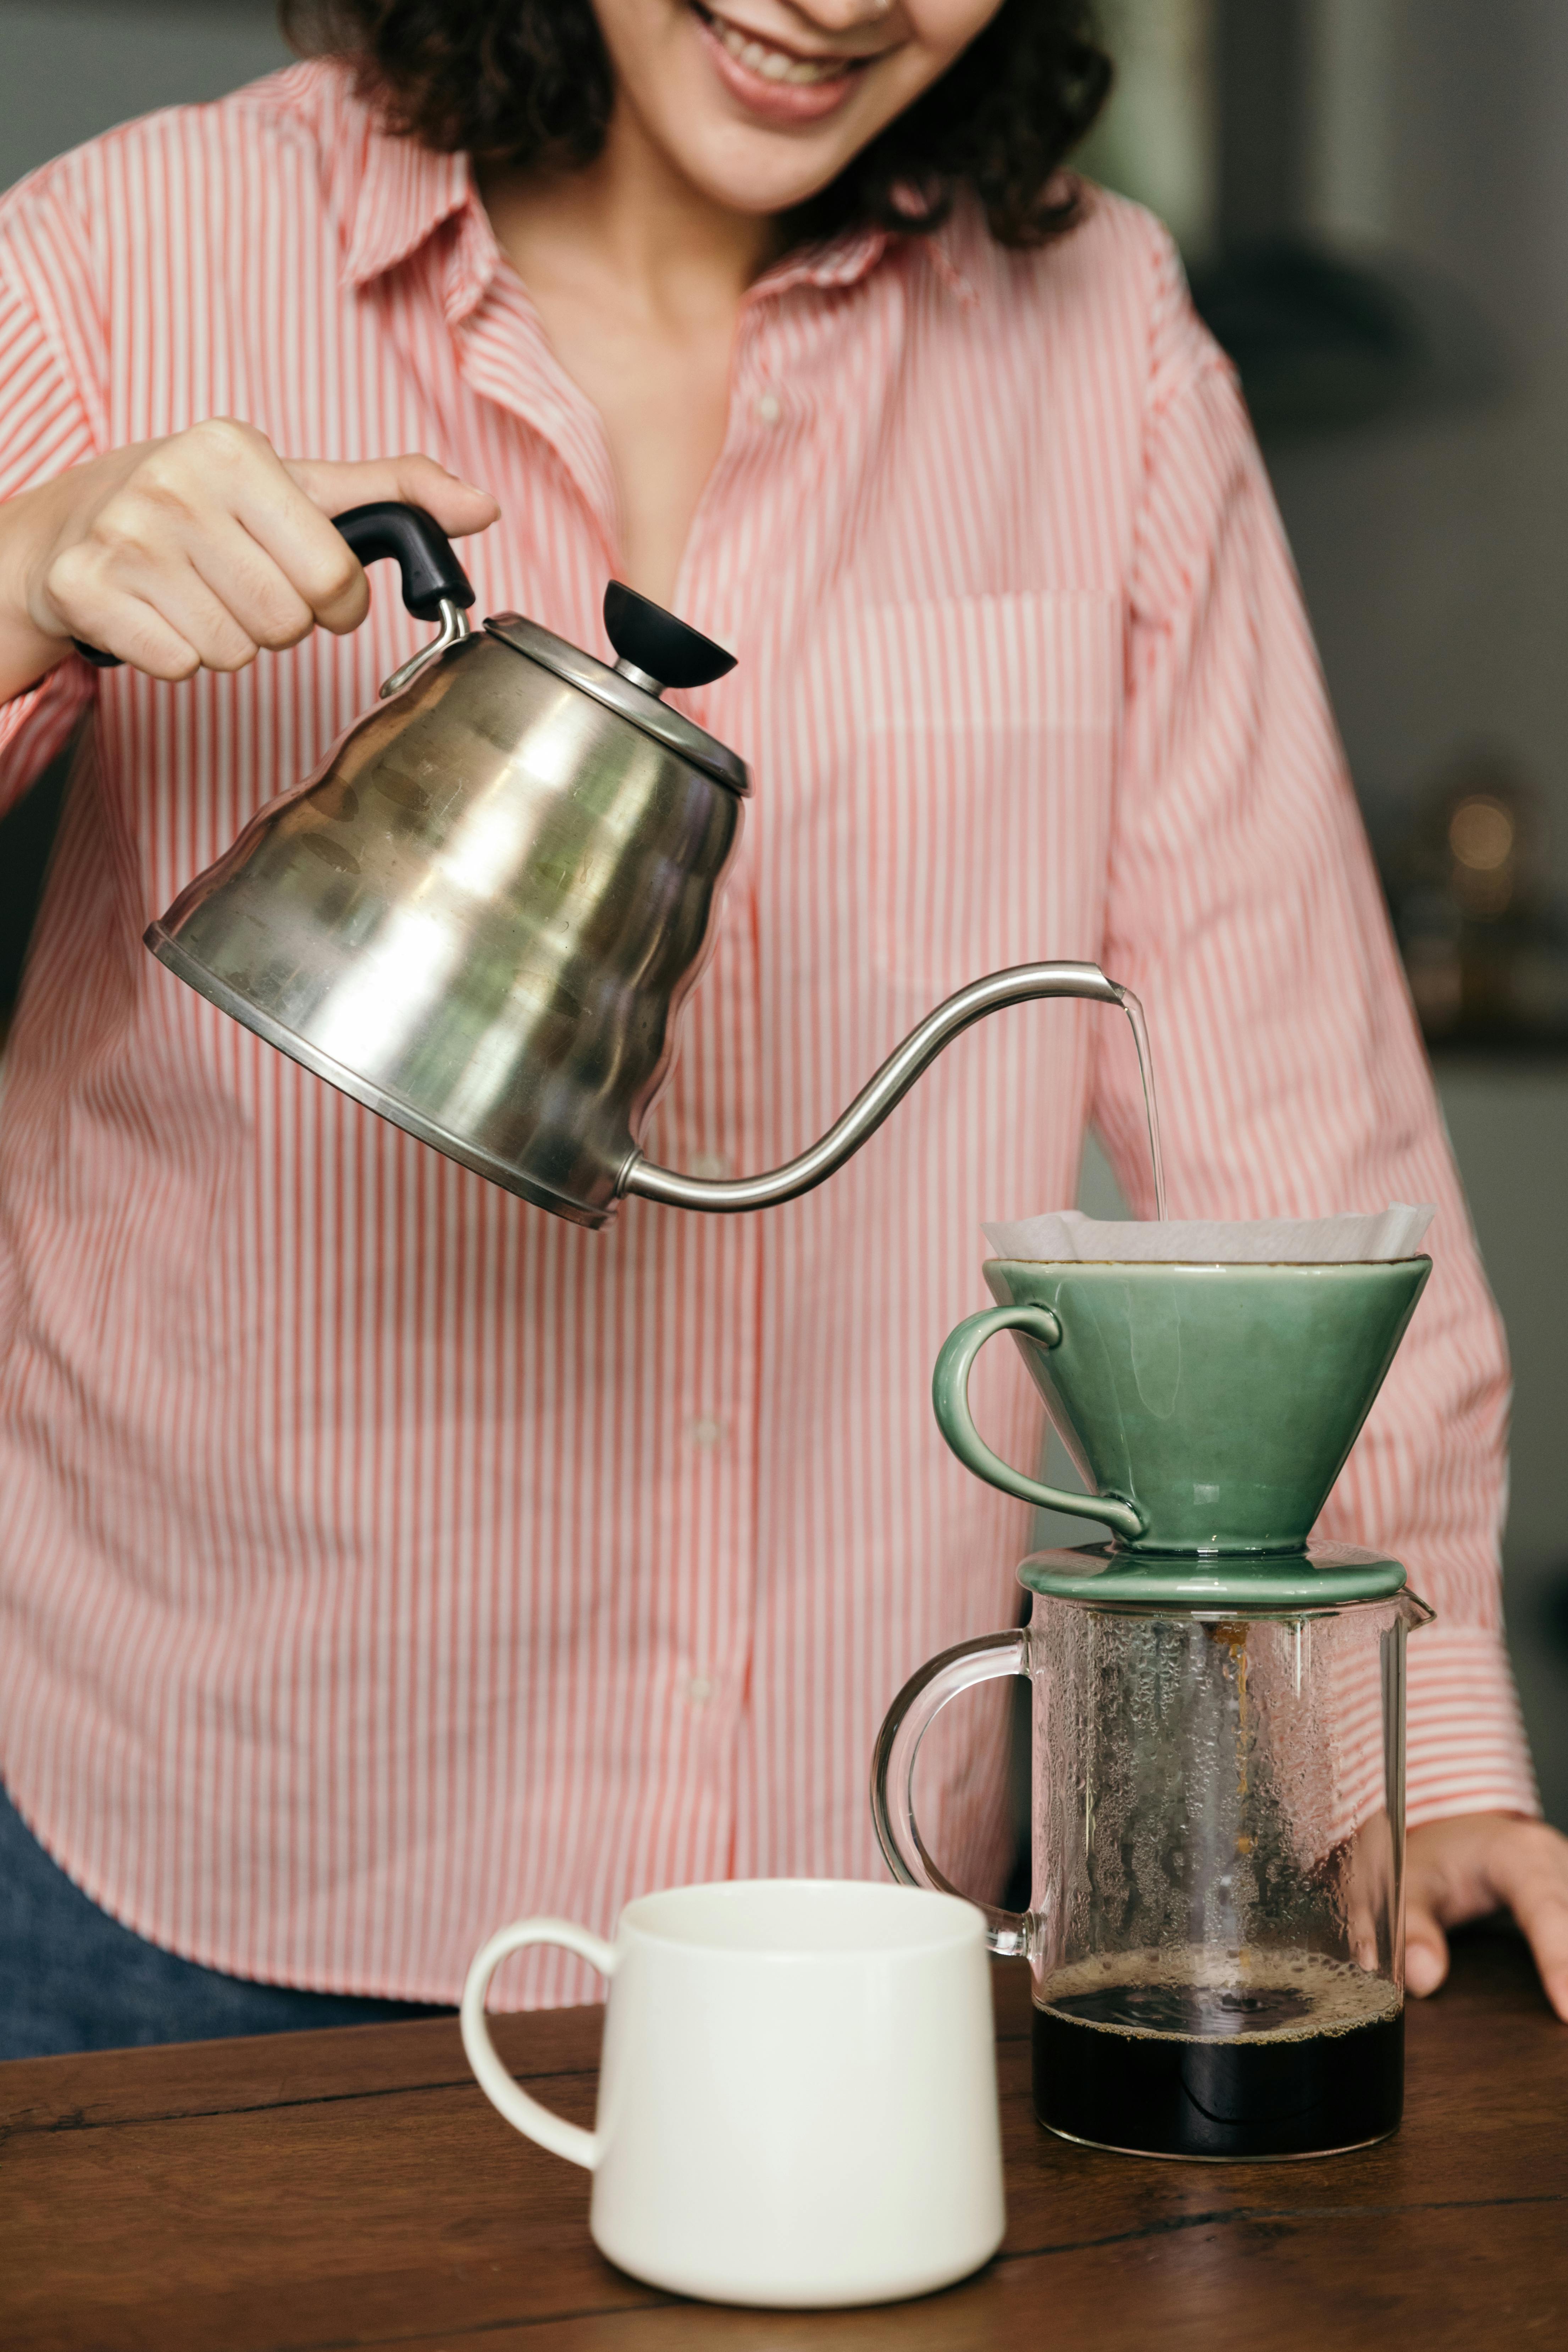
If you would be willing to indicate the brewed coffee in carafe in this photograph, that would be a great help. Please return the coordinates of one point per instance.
(1287, 2068)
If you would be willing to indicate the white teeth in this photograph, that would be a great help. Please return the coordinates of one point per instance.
(773, 65)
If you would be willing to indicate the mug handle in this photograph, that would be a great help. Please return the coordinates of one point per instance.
(507, 2095)
(905, 1725)
(950, 1401)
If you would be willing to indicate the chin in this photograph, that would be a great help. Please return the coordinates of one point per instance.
(739, 171)
(748, 168)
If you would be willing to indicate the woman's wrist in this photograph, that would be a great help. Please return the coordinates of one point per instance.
(27, 657)
(28, 652)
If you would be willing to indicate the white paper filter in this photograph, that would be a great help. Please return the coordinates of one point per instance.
(1066, 1236)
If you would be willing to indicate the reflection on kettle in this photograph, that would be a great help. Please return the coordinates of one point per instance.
(482, 915)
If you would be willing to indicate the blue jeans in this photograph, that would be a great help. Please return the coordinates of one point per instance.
(73, 1979)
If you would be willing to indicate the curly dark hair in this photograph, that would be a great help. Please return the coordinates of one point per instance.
(529, 82)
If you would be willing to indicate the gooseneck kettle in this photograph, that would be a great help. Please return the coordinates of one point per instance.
(482, 916)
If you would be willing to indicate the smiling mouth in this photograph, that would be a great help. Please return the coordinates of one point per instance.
(784, 67)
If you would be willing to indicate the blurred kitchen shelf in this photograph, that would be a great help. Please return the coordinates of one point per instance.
(1472, 1046)
(1324, 340)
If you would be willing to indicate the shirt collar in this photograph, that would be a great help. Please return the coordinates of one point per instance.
(841, 260)
(846, 260)
(406, 191)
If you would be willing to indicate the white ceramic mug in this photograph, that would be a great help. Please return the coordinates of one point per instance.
(797, 2094)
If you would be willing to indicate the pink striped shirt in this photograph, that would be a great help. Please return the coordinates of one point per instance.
(382, 1558)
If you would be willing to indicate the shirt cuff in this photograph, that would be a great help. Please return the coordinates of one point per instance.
(1466, 1749)
(36, 723)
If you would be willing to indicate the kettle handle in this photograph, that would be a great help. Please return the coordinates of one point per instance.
(432, 575)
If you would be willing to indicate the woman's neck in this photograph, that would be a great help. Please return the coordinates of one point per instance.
(632, 224)
(638, 279)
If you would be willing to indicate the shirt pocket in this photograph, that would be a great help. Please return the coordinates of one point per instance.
(973, 801)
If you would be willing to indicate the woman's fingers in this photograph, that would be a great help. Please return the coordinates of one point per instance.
(1462, 1868)
(1530, 1872)
(416, 481)
(1425, 1951)
(273, 605)
(150, 563)
(203, 620)
(1365, 1883)
(195, 552)
(1435, 1896)
(87, 606)
(288, 515)
(261, 543)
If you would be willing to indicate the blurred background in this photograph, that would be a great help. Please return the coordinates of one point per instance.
(1372, 196)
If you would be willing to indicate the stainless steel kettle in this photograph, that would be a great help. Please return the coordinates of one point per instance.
(482, 914)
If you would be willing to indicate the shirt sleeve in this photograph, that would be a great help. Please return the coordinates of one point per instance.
(44, 427)
(1244, 910)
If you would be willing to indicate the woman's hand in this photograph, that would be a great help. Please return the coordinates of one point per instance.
(193, 553)
(1462, 1868)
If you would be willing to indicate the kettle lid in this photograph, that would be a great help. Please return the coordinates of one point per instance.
(657, 650)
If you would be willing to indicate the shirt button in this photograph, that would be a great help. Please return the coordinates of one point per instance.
(706, 1432)
(700, 1690)
(770, 408)
(710, 1167)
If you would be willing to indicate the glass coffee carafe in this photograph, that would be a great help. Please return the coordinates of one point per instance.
(1215, 1927)
(1216, 1920)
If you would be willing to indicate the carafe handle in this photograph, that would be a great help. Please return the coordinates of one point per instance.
(950, 1401)
(905, 1725)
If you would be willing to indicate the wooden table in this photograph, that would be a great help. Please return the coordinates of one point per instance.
(353, 2189)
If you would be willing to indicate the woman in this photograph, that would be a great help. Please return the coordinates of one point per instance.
(383, 1558)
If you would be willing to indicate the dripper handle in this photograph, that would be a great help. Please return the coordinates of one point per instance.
(905, 1725)
(950, 1403)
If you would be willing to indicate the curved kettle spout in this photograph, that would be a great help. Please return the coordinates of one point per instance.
(872, 1104)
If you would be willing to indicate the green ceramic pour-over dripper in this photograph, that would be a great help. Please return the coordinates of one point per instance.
(1209, 1410)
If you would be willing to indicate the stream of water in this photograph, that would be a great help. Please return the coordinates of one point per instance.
(1140, 1026)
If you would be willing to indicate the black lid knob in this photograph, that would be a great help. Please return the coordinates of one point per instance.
(653, 641)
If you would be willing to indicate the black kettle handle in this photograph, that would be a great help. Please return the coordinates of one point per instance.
(417, 543)
(432, 575)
